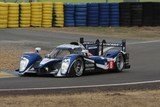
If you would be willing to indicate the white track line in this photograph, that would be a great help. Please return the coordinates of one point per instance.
(86, 86)
(144, 42)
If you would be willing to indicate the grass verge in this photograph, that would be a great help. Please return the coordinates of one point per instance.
(101, 99)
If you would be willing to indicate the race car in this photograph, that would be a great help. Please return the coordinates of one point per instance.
(76, 58)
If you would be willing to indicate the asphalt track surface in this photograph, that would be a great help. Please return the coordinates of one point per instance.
(144, 60)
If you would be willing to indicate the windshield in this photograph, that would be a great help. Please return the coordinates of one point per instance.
(59, 53)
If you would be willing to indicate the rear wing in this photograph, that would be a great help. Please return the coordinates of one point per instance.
(100, 45)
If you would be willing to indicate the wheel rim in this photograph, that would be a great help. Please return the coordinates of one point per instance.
(120, 62)
(78, 67)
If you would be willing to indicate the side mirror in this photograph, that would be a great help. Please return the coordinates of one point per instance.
(38, 49)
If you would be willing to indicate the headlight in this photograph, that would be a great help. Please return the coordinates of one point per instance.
(23, 63)
(65, 65)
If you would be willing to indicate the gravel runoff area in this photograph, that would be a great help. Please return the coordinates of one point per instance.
(101, 99)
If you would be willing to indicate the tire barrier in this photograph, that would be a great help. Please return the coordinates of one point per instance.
(80, 15)
(114, 14)
(125, 14)
(69, 15)
(25, 15)
(36, 14)
(3, 15)
(47, 14)
(104, 14)
(93, 14)
(136, 14)
(13, 15)
(156, 12)
(58, 14)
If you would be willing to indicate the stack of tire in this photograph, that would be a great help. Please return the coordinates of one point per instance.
(104, 14)
(93, 14)
(36, 14)
(13, 15)
(81, 15)
(147, 14)
(69, 12)
(125, 14)
(47, 14)
(25, 15)
(58, 14)
(156, 16)
(114, 14)
(3, 15)
(136, 14)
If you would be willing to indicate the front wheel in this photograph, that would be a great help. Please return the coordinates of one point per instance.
(119, 62)
(77, 67)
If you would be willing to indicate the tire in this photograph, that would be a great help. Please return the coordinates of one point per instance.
(77, 67)
(119, 62)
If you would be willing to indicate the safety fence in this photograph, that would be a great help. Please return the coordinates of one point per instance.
(58, 14)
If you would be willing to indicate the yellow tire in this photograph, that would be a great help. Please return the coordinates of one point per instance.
(36, 13)
(3, 17)
(13, 12)
(47, 26)
(25, 22)
(47, 9)
(47, 12)
(36, 17)
(25, 15)
(36, 20)
(47, 18)
(25, 12)
(13, 25)
(4, 8)
(25, 4)
(13, 4)
(47, 6)
(3, 21)
(47, 21)
(59, 22)
(13, 8)
(36, 10)
(13, 18)
(24, 25)
(13, 22)
(25, 8)
(3, 4)
(3, 26)
(25, 18)
(59, 19)
(3, 12)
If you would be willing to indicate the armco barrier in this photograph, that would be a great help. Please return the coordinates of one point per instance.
(69, 15)
(114, 14)
(13, 15)
(3, 15)
(81, 15)
(47, 12)
(25, 15)
(92, 14)
(125, 14)
(58, 14)
(104, 14)
(36, 14)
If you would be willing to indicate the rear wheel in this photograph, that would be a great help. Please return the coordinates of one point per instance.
(119, 62)
(78, 67)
